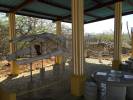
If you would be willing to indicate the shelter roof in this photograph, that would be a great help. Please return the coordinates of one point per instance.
(94, 10)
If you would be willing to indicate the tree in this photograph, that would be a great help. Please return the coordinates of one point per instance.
(29, 25)
(4, 41)
(25, 26)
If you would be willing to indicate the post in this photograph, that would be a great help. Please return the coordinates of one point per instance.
(5, 95)
(132, 42)
(117, 34)
(12, 34)
(77, 79)
(58, 59)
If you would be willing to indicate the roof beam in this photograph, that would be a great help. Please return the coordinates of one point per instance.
(108, 17)
(109, 7)
(102, 5)
(129, 2)
(30, 11)
(104, 18)
(54, 4)
(87, 14)
(31, 15)
(25, 14)
(92, 15)
(63, 7)
(4, 8)
(96, 7)
(21, 6)
(44, 14)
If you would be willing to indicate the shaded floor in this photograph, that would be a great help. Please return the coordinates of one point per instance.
(52, 85)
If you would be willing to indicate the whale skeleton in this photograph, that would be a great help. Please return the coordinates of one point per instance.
(40, 57)
(32, 50)
(30, 53)
(39, 38)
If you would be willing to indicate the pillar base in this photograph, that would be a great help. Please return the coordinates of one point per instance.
(131, 56)
(116, 64)
(14, 68)
(58, 60)
(7, 96)
(77, 85)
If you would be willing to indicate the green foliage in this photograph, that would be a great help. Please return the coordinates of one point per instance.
(104, 37)
(110, 37)
(30, 25)
(4, 41)
(24, 26)
(125, 38)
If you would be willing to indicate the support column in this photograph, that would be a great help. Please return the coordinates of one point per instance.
(12, 34)
(132, 42)
(77, 79)
(117, 34)
(4, 95)
(58, 59)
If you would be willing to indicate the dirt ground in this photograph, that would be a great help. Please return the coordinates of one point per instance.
(5, 70)
(52, 84)
(24, 70)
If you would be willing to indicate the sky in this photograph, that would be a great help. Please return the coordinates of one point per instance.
(108, 25)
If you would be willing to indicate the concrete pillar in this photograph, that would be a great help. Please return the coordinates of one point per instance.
(132, 42)
(77, 79)
(117, 34)
(58, 27)
(4, 95)
(12, 34)
(58, 59)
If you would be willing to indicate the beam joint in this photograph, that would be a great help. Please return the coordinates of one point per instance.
(21, 6)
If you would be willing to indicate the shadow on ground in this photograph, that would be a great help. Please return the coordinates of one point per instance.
(53, 85)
